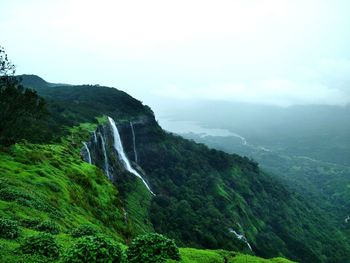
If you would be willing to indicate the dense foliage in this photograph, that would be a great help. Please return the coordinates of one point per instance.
(201, 194)
(83, 230)
(42, 244)
(69, 106)
(152, 248)
(93, 249)
(48, 227)
(20, 107)
(9, 229)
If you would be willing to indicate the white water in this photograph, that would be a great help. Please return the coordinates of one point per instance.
(347, 219)
(133, 140)
(95, 137)
(122, 156)
(240, 237)
(105, 155)
(88, 152)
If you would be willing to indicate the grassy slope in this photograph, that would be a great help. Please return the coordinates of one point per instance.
(51, 182)
(191, 255)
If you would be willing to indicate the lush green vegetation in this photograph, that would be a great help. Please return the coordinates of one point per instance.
(191, 255)
(20, 107)
(94, 249)
(323, 184)
(152, 248)
(201, 194)
(43, 245)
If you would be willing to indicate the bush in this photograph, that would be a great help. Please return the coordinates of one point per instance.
(49, 227)
(94, 249)
(9, 229)
(30, 222)
(152, 248)
(3, 183)
(53, 186)
(83, 230)
(12, 194)
(43, 244)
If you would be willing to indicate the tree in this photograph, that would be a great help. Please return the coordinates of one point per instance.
(152, 248)
(21, 110)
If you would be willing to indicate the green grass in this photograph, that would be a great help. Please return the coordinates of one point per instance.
(137, 204)
(191, 255)
(52, 183)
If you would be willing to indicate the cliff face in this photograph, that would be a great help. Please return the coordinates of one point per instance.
(114, 148)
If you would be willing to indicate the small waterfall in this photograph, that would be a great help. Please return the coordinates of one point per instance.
(133, 140)
(88, 152)
(347, 219)
(240, 237)
(95, 137)
(105, 155)
(122, 156)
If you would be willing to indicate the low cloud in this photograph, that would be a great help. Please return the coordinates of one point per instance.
(328, 82)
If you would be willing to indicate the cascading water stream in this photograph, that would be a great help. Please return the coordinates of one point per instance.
(88, 152)
(240, 237)
(133, 141)
(122, 156)
(95, 137)
(347, 219)
(105, 155)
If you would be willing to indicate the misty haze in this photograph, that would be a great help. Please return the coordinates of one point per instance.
(175, 131)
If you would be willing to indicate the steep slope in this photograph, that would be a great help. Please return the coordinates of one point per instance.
(204, 198)
(48, 188)
(51, 182)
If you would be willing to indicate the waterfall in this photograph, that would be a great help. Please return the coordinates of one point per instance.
(122, 156)
(133, 140)
(105, 155)
(347, 219)
(95, 137)
(88, 152)
(240, 237)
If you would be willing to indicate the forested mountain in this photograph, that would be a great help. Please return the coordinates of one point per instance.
(202, 197)
(306, 146)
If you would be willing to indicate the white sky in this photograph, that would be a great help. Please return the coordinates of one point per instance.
(269, 51)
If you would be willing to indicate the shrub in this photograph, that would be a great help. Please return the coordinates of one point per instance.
(83, 230)
(12, 194)
(35, 156)
(9, 229)
(94, 249)
(3, 183)
(81, 179)
(49, 227)
(152, 248)
(43, 244)
(30, 222)
(53, 186)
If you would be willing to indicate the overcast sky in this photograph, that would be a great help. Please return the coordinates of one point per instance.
(268, 51)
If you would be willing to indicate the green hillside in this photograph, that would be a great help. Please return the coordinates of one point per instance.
(203, 198)
(50, 183)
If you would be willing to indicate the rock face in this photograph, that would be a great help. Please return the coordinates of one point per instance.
(102, 149)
